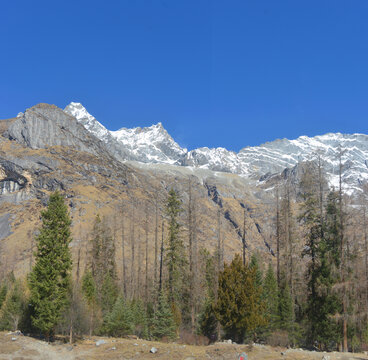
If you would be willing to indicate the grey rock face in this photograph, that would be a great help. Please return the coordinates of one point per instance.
(4, 226)
(11, 179)
(46, 125)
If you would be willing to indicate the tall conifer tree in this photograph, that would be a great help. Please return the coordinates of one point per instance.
(50, 279)
(176, 261)
(239, 307)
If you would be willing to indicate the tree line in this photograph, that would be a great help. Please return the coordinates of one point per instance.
(312, 293)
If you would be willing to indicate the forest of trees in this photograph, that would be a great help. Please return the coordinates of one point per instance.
(312, 293)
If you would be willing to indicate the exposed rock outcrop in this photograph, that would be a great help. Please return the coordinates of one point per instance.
(44, 125)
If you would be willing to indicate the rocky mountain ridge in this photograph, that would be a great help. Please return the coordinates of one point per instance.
(154, 145)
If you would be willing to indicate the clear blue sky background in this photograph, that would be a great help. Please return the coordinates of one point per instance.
(215, 73)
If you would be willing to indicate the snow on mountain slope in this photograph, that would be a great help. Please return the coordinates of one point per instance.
(154, 145)
(277, 155)
(273, 157)
(150, 144)
(88, 121)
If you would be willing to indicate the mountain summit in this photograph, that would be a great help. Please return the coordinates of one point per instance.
(149, 144)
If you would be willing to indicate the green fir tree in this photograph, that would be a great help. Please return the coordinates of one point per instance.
(207, 320)
(109, 293)
(163, 324)
(270, 295)
(50, 279)
(90, 295)
(120, 320)
(14, 307)
(176, 261)
(140, 319)
(239, 307)
(285, 306)
(3, 292)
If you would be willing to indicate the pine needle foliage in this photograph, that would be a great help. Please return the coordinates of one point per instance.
(120, 320)
(13, 309)
(270, 294)
(175, 255)
(3, 292)
(90, 295)
(163, 324)
(239, 307)
(50, 279)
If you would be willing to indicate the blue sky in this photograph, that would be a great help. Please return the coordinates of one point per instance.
(215, 73)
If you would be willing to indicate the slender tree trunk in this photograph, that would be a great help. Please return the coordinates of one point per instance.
(278, 237)
(289, 239)
(220, 263)
(219, 247)
(342, 261)
(190, 236)
(71, 334)
(31, 251)
(195, 268)
(78, 265)
(139, 270)
(366, 257)
(146, 233)
(123, 251)
(161, 257)
(91, 323)
(156, 242)
(192, 214)
(320, 180)
(243, 238)
(132, 241)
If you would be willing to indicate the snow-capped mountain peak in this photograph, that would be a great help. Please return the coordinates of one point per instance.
(85, 118)
(148, 144)
(151, 144)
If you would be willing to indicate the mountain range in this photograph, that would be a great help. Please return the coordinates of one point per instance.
(154, 145)
(125, 176)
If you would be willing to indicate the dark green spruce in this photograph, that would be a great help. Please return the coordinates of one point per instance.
(50, 279)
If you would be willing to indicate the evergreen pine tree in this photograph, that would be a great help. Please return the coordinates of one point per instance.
(140, 321)
(333, 229)
(322, 327)
(13, 309)
(207, 320)
(322, 250)
(50, 279)
(239, 307)
(163, 324)
(175, 257)
(285, 306)
(254, 264)
(90, 295)
(326, 329)
(102, 264)
(270, 295)
(3, 292)
(109, 293)
(120, 319)
(311, 220)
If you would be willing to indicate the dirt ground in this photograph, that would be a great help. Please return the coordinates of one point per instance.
(18, 347)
